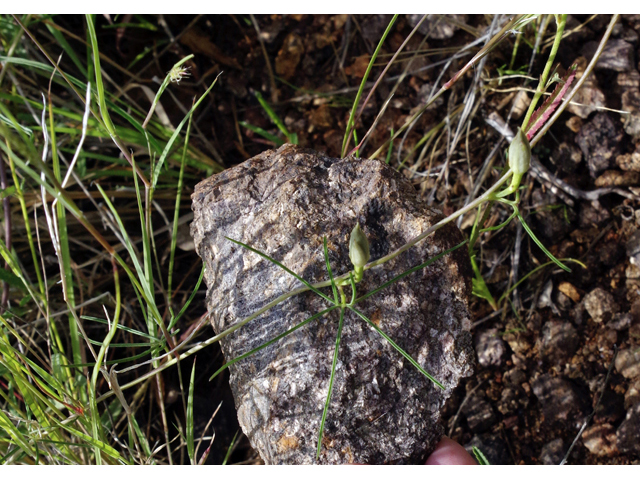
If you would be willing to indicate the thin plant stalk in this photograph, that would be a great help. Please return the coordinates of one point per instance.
(560, 24)
(351, 122)
(331, 380)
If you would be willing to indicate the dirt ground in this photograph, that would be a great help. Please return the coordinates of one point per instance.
(544, 355)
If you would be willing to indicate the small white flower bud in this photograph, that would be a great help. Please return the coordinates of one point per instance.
(519, 154)
(358, 248)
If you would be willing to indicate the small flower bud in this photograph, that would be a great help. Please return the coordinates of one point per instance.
(519, 154)
(358, 248)
(519, 161)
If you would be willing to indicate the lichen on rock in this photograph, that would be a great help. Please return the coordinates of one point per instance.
(383, 410)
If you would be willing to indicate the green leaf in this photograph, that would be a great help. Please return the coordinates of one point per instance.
(482, 460)
(331, 379)
(539, 243)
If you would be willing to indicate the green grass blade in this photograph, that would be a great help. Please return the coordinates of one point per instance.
(356, 102)
(231, 448)
(102, 102)
(331, 379)
(167, 148)
(176, 214)
(539, 267)
(104, 448)
(263, 133)
(62, 41)
(124, 328)
(410, 271)
(8, 427)
(502, 225)
(291, 138)
(275, 262)
(326, 259)
(266, 344)
(188, 302)
(190, 448)
(539, 243)
(395, 345)
(482, 460)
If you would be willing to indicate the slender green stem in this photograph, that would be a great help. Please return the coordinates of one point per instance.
(579, 83)
(331, 379)
(542, 85)
(356, 102)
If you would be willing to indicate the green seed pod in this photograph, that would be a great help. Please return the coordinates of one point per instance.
(358, 248)
(519, 161)
(519, 154)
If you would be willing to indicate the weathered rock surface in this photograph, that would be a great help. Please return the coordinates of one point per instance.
(382, 410)
(562, 401)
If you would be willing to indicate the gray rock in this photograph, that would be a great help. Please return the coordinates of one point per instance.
(479, 414)
(493, 447)
(491, 348)
(553, 452)
(568, 157)
(559, 341)
(628, 433)
(600, 440)
(600, 305)
(599, 141)
(628, 362)
(383, 410)
(618, 55)
(621, 321)
(563, 402)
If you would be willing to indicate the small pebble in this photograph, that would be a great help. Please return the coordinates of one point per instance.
(570, 291)
(600, 440)
(559, 341)
(479, 414)
(628, 362)
(628, 434)
(600, 305)
(553, 452)
(599, 141)
(563, 402)
(490, 348)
